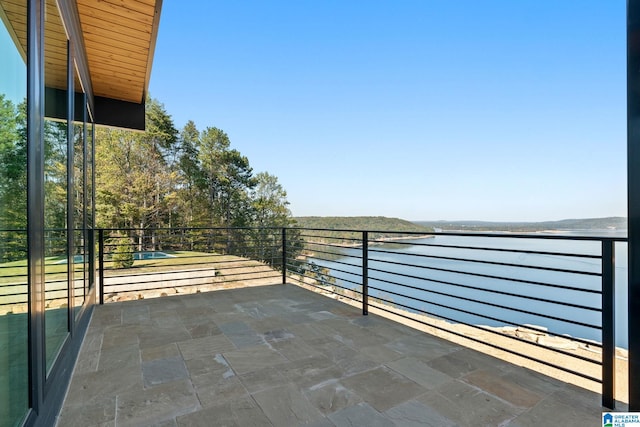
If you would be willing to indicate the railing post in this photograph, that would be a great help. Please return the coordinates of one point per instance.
(101, 264)
(365, 273)
(284, 256)
(608, 324)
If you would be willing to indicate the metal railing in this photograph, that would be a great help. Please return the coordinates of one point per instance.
(134, 263)
(523, 288)
(540, 290)
(13, 271)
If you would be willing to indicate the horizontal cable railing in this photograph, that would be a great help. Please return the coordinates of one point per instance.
(14, 296)
(546, 291)
(135, 263)
(510, 292)
(13, 271)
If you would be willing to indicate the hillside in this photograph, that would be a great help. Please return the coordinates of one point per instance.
(617, 223)
(377, 225)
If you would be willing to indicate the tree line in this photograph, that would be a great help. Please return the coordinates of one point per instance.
(165, 178)
(189, 178)
(333, 228)
(160, 178)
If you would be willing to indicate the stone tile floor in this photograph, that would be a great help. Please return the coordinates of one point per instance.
(284, 356)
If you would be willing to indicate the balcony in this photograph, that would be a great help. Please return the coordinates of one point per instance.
(229, 344)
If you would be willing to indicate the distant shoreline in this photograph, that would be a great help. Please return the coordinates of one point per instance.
(378, 241)
(618, 224)
(566, 232)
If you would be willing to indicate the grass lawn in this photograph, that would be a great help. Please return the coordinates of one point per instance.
(181, 259)
(15, 272)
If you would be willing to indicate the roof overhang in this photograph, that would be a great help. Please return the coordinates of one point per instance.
(114, 43)
(119, 39)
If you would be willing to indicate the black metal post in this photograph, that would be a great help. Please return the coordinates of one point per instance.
(284, 256)
(633, 198)
(365, 273)
(101, 264)
(608, 325)
(35, 202)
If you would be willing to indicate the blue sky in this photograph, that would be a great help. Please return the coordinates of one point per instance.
(13, 82)
(429, 109)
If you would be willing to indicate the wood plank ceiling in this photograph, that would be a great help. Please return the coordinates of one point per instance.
(55, 41)
(14, 16)
(119, 38)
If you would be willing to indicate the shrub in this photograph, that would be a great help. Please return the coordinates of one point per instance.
(123, 254)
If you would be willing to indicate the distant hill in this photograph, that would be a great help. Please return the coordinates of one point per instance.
(377, 225)
(609, 223)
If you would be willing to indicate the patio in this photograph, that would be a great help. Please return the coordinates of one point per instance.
(281, 355)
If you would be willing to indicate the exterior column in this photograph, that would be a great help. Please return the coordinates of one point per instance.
(35, 199)
(633, 197)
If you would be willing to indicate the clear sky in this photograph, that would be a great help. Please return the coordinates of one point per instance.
(13, 75)
(497, 110)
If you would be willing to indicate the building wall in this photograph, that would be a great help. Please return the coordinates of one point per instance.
(47, 250)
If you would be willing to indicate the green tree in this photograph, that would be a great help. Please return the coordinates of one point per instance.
(13, 161)
(160, 131)
(13, 179)
(269, 202)
(160, 143)
(227, 179)
(55, 188)
(123, 252)
(122, 184)
(162, 178)
(322, 275)
(269, 207)
(191, 179)
(137, 175)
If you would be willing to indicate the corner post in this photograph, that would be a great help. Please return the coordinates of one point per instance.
(365, 273)
(608, 325)
(633, 198)
(284, 256)
(101, 264)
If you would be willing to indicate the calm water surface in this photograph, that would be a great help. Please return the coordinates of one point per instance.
(438, 288)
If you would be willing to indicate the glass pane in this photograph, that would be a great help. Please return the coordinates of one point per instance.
(91, 252)
(14, 372)
(55, 185)
(79, 237)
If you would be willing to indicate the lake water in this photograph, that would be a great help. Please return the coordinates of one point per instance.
(440, 288)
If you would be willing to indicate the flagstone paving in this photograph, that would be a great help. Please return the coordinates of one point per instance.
(284, 356)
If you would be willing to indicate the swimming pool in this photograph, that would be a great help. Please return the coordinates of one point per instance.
(151, 255)
(79, 259)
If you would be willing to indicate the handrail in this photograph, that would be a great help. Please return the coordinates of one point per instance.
(534, 235)
(462, 274)
(430, 267)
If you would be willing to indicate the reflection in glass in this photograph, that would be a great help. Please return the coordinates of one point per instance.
(14, 373)
(91, 240)
(55, 185)
(79, 258)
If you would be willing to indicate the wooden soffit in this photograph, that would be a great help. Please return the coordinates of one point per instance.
(13, 14)
(119, 40)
